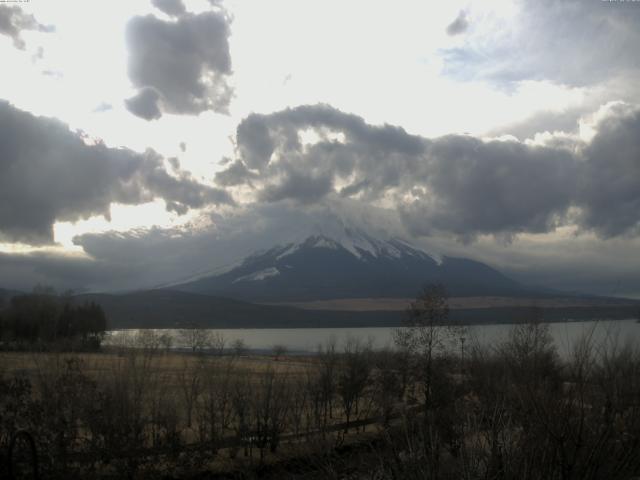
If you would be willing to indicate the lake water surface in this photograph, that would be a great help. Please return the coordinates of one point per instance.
(305, 340)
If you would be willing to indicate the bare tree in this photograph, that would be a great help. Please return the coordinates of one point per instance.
(279, 350)
(353, 377)
(423, 335)
(239, 347)
(218, 342)
(530, 351)
(299, 404)
(196, 338)
(148, 339)
(424, 338)
(242, 412)
(327, 378)
(190, 378)
(387, 382)
(166, 341)
(270, 407)
(215, 409)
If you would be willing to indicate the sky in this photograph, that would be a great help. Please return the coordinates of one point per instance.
(150, 141)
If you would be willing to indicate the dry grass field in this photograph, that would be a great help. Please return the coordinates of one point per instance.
(99, 364)
(455, 303)
(223, 413)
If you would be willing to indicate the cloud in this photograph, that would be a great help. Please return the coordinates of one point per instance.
(48, 173)
(459, 25)
(572, 42)
(316, 164)
(298, 186)
(565, 260)
(272, 155)
(173, 8)
(78, 272)
(174, 163)
(469, 187)
(186, 61)
(610, 174)
(236, 174)
(145, 104)
(457, 184)
(259, 136)
(103, 107)
(543, 121)
(13, 20)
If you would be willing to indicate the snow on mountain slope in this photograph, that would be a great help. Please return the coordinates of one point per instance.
(360, 245)
(257, 276)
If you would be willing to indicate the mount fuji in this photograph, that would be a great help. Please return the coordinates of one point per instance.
(349, 264)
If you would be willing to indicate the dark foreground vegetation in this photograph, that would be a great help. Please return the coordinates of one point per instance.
(44, 320)
(435, 407)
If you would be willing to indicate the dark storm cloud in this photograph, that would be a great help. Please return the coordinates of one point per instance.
(145, 104)
(610, 175)
(459, 25)
(186, 61)
(236, 174)
(13, 20)
(298, 186)
(259, 135)
(572, 42)
(274, 158)
(182, 191)
(473, 187)
(174, 8)
(455, 184)
(48, 173)
(24, 271)
(254, 141)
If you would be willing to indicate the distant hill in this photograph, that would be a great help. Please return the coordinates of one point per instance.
(174, 309)
(351, 265)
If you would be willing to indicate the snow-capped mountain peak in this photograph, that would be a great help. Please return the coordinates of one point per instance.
(347, 263)
(359, 244)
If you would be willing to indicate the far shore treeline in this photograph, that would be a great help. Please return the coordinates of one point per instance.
(44, 318)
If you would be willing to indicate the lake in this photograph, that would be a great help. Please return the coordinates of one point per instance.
(306, 340)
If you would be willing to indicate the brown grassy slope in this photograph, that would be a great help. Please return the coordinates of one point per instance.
(455, 303)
